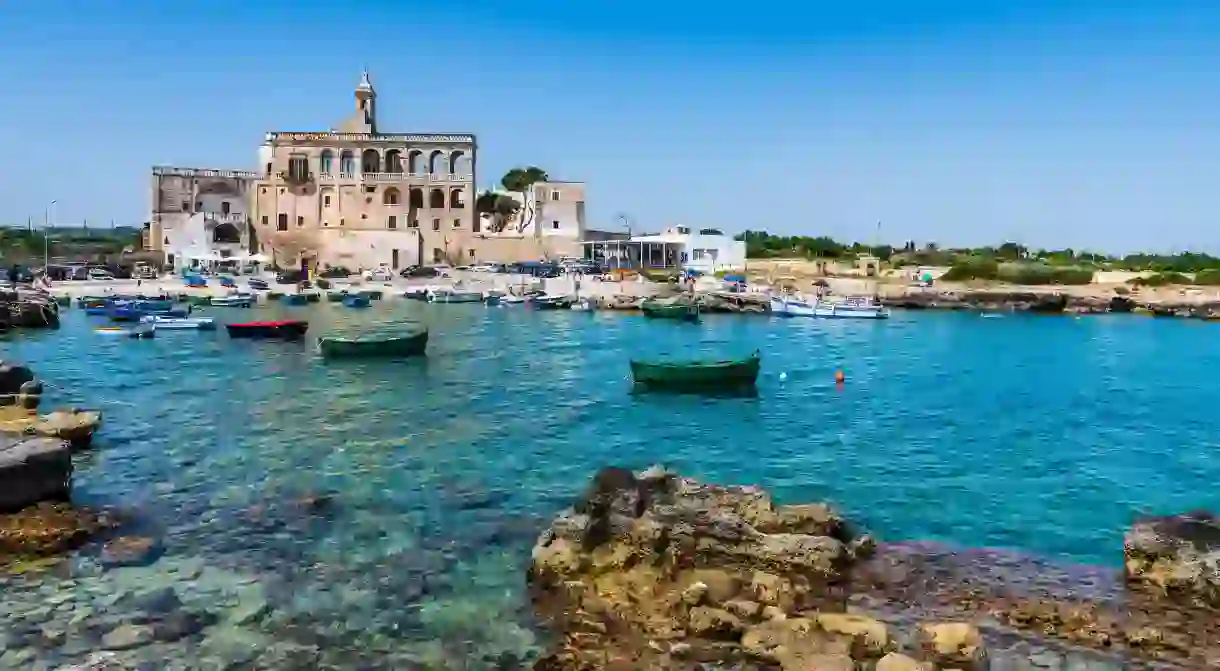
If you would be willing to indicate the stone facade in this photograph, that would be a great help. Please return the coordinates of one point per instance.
(200, 214)
(359, 198)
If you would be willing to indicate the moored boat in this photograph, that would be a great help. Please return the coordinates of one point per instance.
(335, 296)
(180, 323)
(858, 307)
(444, 295)
(374, 344)
(294, 299)
(549, 302)
(356, 301)
(697, 375)
(681, 311)
(233, 301)
(275, 330)
(142, 331)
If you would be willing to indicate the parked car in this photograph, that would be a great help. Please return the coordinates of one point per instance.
(382, 274)
(483, 268)
(336, 272)
(425, 271)
(97, 274)
(288, 277)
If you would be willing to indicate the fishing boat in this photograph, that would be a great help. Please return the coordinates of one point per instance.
(356, 301)
(584, 305)
(180, 323)
(294, 299)
(335, 296)
(858, 307)
(697, 375)
(144, 331)
(445, 295)
(199, 300)
(375, 344)
(371, 294)
(417, 294)
(654, 309)
(509, 299)
(312, 297)
(272, 330)
(257, 284)
(236, 300)
(549, 302)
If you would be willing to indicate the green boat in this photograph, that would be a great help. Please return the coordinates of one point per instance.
(679, 311)
(374, 345)
(697, 375)
(199, 300)
(335, 296)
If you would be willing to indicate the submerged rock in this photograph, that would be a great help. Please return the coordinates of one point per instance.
(74, 426)
(49, 529)
(129, 551)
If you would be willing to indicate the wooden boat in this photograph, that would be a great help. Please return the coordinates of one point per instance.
(312, 297)
(697, 375)
(143, 331)
(233, 301)
(274, 330)
(680, 311)
(64, 301)
(858, 307)
(356, 301)
(180, 323)
(199, 300)
(336, 296)
(257, 284)
(455, 296)
(374, 345)
(294, 299)
(547, 302)
(371, 294)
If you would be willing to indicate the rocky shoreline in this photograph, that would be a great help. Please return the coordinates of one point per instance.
(653, 570)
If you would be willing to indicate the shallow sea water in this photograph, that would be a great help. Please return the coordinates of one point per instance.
(1043, 435)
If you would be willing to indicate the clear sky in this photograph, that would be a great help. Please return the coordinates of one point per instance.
(1056, 123)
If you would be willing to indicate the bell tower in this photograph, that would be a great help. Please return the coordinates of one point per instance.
(366, 104)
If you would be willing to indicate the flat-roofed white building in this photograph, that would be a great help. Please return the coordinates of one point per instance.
(706, 250)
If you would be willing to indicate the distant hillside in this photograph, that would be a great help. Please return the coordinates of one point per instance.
(76, 243)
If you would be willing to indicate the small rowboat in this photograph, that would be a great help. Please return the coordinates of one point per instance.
(233, 301)
(294, 299)
(143, 331)
(374, 345)
(679, 311)
(697, 375)
(356, 301)
(276, 330)
(181, 323)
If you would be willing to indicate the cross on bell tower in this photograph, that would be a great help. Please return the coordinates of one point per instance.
(366, 104)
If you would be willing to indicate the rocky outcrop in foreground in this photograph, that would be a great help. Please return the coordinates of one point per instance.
(656, 571)
(27, 308)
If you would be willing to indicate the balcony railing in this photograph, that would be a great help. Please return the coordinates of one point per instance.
(221, 218)
(396, 177)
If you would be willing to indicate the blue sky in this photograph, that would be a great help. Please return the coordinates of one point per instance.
(1084, 124)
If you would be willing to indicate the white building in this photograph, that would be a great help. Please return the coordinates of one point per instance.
(200, 215)
(707, 250)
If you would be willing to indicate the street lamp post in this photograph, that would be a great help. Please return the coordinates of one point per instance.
(46, 235)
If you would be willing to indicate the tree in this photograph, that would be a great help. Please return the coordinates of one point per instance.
(520, 179)
(500, 207)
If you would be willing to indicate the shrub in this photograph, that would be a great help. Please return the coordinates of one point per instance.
(1209, 277)
(1041, 275)
(973, 269)
(1160, 280)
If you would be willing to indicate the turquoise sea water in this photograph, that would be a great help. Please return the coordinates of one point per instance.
(1041, 434)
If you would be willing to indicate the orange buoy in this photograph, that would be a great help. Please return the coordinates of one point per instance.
(840, 377)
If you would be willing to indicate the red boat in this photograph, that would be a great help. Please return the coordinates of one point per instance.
(281, 330)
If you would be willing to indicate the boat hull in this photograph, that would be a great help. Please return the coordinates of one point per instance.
(294, 299)
(356, 301)
(283, 330)
(182, 323)
(457, 297)
(683, 312)
(697, 376)
(415, 344)
(787, 307)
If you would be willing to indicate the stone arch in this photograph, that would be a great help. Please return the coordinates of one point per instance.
(415, 161)
(455, 198)
(436, 163)
(436, 198)
(415, 198)
(326, 163)
(370, 161)
(391, 196)
(226, 234)
(393, 161)
(347, 162)
(458, 160)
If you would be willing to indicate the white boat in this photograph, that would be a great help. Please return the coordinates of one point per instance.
(455, 296)
(857, 307)
(509, 299)
(233, 301)
(199, 323)
(584, 305)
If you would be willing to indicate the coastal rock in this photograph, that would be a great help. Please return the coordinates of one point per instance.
(12, 378)
(1176, 555)
(74, 426)
(49, 529)
(657, 557)
(955, 645)
(32, 470)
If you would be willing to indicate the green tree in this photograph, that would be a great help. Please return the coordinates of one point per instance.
(500, 207)
(520, 179)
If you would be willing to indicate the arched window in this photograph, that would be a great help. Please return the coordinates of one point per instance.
(226, 233)
(415, 198)
(459, 163)
(415, 162)
(370, 161)
(326, 164)
(436, 199)
(455, 199)
(437, 165)
(347, 163)
(393, 161)
(391, 196)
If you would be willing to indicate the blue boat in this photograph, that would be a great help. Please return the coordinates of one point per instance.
(356, 301)
(294, 299)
